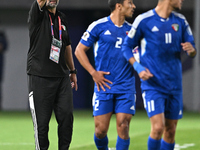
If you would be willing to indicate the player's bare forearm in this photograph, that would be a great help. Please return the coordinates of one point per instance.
(132, 60)
(80, 54)
(98, 76)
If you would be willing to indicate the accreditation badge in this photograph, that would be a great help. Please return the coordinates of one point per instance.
(55, 50)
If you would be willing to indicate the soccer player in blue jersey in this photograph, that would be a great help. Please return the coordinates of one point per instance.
(161, 34)
(113, 76)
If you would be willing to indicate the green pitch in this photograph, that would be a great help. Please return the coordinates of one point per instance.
(16, 131)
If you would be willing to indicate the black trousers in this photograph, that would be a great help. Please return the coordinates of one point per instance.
(48, 94)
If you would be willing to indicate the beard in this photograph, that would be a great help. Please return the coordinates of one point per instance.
(176, 9)
(52, 5)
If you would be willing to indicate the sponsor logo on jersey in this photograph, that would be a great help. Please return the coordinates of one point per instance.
(175, 27)
(107, 33)
(155, 29)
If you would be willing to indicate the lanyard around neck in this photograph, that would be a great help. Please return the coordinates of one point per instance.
(60, 29)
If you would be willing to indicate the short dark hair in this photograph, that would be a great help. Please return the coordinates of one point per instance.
(112, 3)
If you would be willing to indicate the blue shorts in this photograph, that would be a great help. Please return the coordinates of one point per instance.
(104, 103)
(156, 102)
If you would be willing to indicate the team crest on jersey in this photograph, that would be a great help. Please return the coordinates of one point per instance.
(175, 27)
(126, 32)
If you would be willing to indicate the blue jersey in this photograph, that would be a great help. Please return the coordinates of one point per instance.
(107, 39)
(159, 42)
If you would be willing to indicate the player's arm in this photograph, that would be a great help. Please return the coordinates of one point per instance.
(189, 49)
(127, 47)
(188, 44)
(98, 76)
(143, 72)
(41, 3)
(70, 64)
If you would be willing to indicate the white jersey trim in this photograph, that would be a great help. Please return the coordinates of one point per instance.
(143, 46)
(181, 16)
(128, 23)
(142, 17)
(96, 47)
(91, 26)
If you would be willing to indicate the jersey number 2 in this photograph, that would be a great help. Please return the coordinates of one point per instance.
(119, 42)
(96, 105)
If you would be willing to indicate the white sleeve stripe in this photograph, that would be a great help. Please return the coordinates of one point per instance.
(143, 46)
(105, 19)
(181, 16)
(141, 17)
(128, 23)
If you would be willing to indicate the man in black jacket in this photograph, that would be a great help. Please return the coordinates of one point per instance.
(50, 70)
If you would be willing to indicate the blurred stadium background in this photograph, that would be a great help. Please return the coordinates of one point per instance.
(80, 13)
